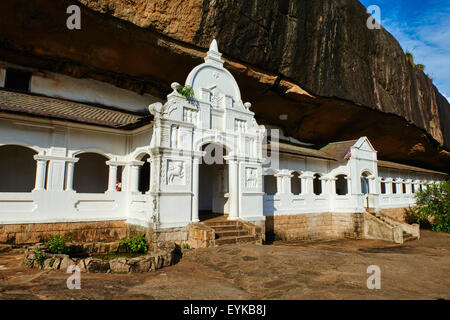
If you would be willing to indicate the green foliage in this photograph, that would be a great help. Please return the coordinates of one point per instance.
(57, 244)
(409, 57)
(136, 244)
(39, 257)
(186, 91)
(115, 255)
(186, 246)
(420, 66)
(433, 205)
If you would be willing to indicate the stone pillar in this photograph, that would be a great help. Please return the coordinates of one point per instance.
(69, 180)
(134, 176)
(280, 188)
(41, 169)
(408, 186)
(233, 189)
(112, 178)
(195, 189)
(287, 183)
(308, 178)
(388, 186)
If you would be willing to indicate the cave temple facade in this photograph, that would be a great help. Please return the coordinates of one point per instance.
(86, 158)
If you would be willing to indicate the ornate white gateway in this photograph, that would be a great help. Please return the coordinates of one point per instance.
(206, 149)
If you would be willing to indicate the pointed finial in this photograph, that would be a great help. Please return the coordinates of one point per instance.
(214, 46)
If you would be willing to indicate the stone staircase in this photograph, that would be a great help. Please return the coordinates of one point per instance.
(406, 236)
(231, 231)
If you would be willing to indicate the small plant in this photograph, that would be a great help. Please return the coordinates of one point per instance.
(186, 91)
(186, 246)
(409, 57)
(420, 67)
(137, 244)
(57, 244)
(433, 206)
(39, 257)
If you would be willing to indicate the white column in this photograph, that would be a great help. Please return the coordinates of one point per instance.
(195, 189)
(280, 188)
(233, 189)
(69, 181)
(112, 178)
(133, 179)
(307, 179)
(40, 174)
(389, 186)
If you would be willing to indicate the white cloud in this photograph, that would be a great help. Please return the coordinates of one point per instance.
(426, 36)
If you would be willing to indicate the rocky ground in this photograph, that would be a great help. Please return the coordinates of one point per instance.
(282, 270)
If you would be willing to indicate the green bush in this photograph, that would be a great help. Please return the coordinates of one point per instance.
(137, 244)
(39, 257)
(57, 244)
(187, 91)
(433, 205)
(409, 57)
(420, 66)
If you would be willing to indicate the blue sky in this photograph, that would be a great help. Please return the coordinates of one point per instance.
(422, 28)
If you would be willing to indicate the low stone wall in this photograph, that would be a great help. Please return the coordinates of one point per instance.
(179, 236)
(164, 256)
(201, 236)
(377, 229)
(399, 214)
(315, 226)
(105, 231)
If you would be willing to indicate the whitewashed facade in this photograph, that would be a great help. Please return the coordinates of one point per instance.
(54, 170)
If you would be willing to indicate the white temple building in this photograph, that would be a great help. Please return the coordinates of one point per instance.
(84, 157)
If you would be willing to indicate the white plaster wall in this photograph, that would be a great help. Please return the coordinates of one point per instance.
(89, 91)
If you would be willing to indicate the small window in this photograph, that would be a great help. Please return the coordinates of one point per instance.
(296, 184)
(404, 187)
(413, 187)
(394, 187)
(270, 185)
(383, 187)
(17, 80)
(341, 185)
(317, 184)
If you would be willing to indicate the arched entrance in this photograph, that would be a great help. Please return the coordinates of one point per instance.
(365, 188)
(17, 168)
(213, 183)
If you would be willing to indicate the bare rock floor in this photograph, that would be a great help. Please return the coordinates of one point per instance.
(282, 270)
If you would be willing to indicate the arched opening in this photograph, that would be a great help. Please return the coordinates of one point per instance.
(341, 185)
(213, 183)
(365, 183)
(413, 188)
(383, 187)
(394, 187)
(91, 173)
(144, 175)
(17, 169)
(317, 184)
(270, 184)
(403, 187)
(296, 184)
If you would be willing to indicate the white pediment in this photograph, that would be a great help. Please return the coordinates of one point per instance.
(212, 74)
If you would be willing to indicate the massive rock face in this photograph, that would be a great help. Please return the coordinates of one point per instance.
(312, 60)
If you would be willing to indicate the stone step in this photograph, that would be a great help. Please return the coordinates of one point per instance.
(213, 224)
(232, 240)
(221, 228)
(231, 233)
(408, 237)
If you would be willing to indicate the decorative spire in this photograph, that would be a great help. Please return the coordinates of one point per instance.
(214, 56)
